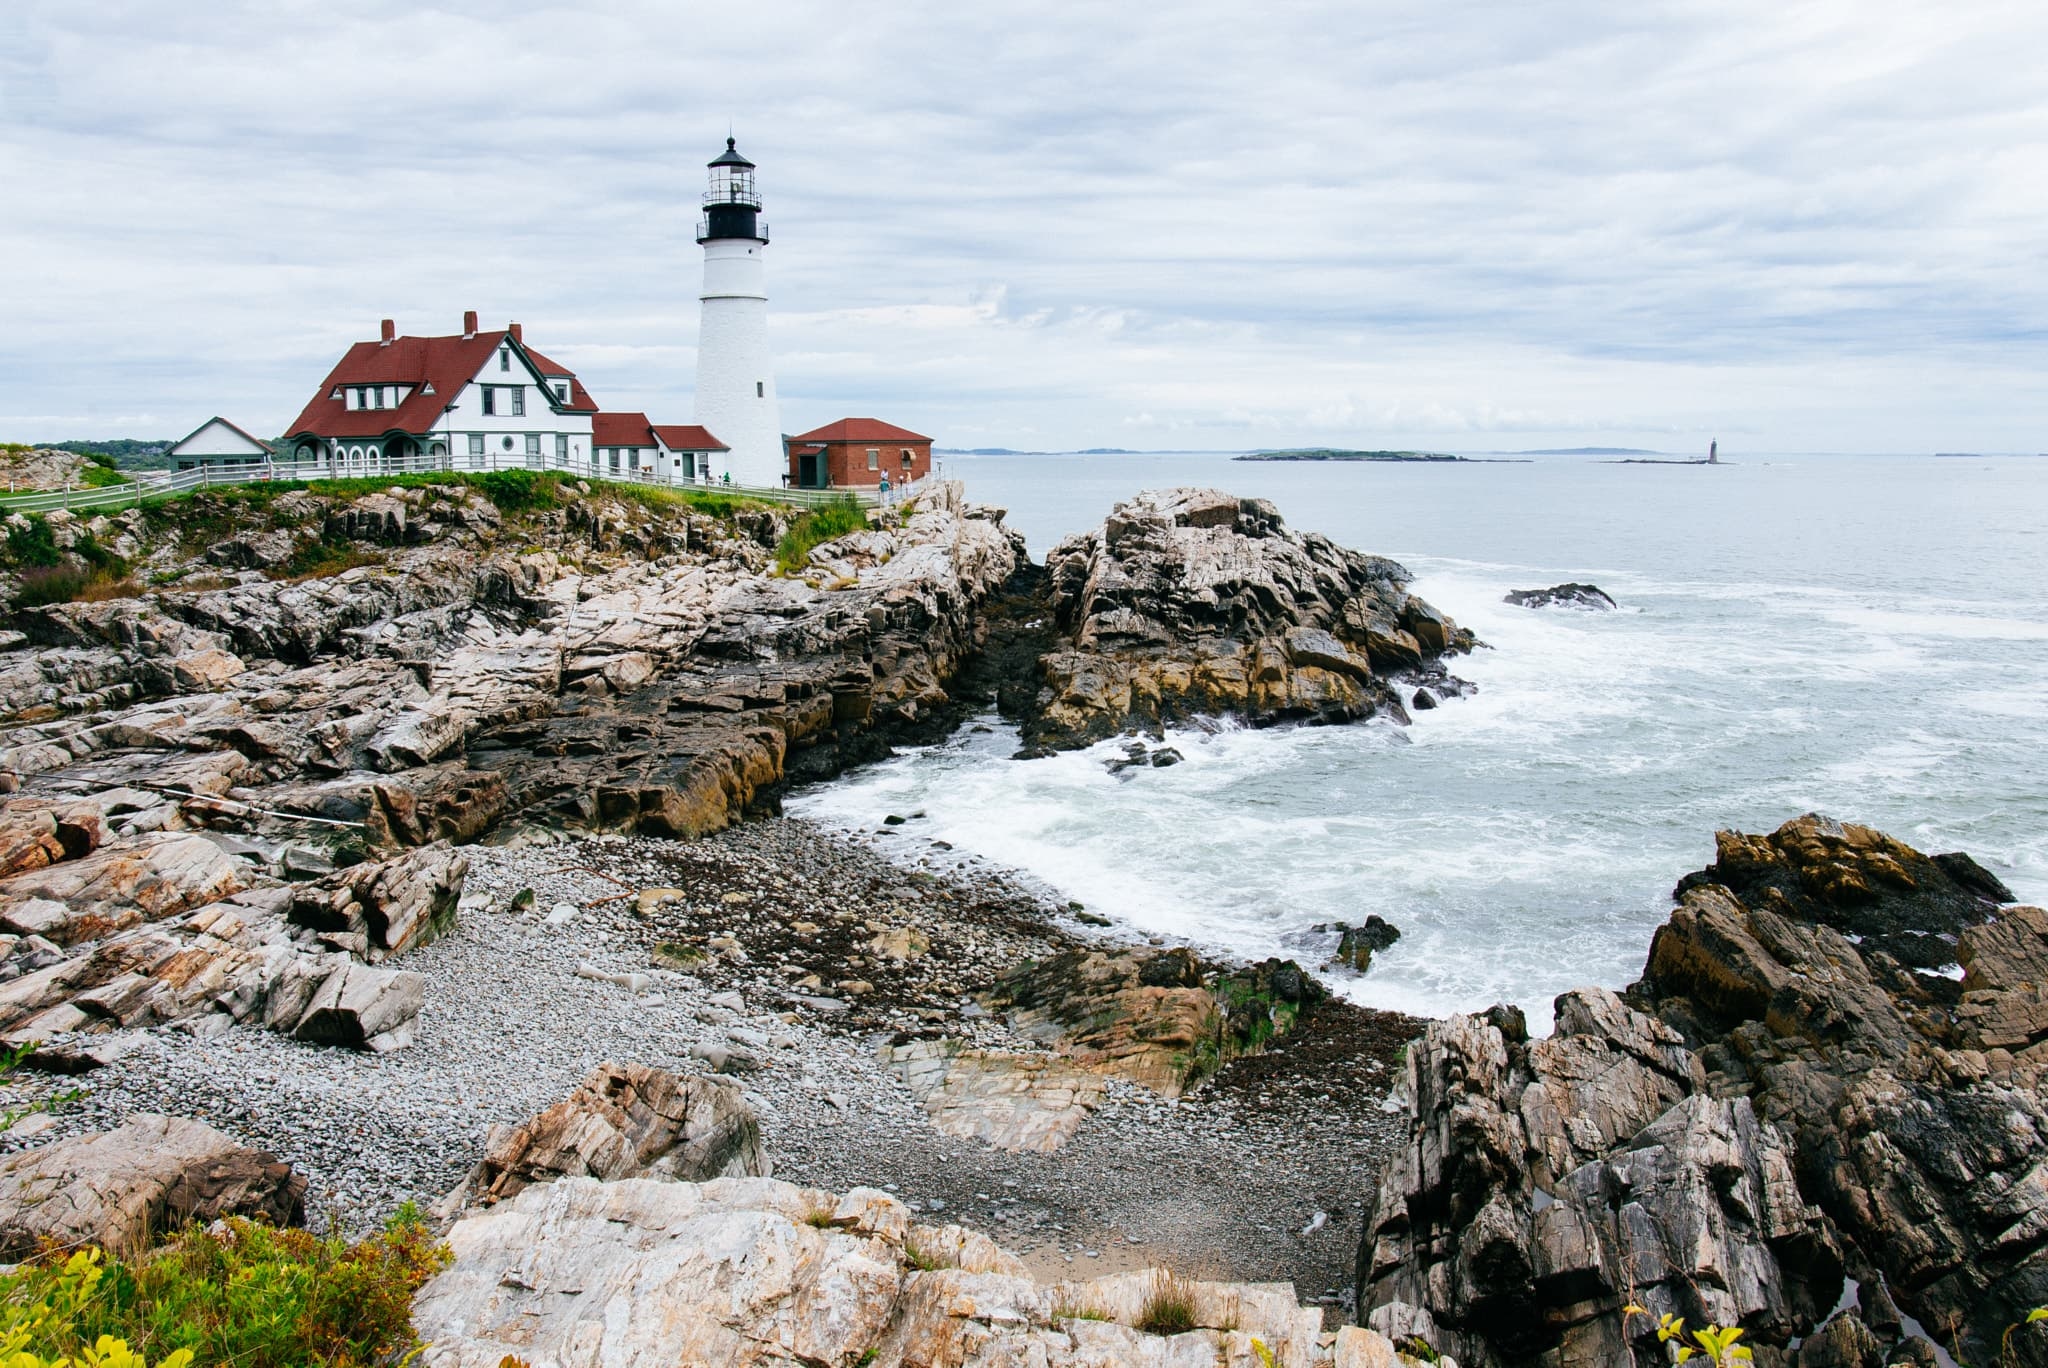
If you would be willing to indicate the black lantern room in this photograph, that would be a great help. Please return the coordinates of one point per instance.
(732, 206)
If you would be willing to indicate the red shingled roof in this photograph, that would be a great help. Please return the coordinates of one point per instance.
(444, 364)
(621, 430)
(860, 430)
(688, 437)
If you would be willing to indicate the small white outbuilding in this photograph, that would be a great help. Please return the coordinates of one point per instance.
(218, 442)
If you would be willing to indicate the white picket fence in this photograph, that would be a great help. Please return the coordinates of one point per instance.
(144, 485)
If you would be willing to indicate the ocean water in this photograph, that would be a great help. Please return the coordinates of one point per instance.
(1864, 636)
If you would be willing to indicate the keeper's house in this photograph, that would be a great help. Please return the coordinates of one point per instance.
(857, 452)
(217, 442)
(480, 400)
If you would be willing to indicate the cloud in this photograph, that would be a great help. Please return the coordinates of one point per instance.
(1378, 223)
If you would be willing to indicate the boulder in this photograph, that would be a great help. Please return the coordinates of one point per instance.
(122, 1188)
(1160, 1018)
(363, 1008)
(744, 1271)
(391, 905)
(1190, 601)
(623, 1121)
(1006, 1099)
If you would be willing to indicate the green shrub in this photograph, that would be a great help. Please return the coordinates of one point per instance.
(33, 544)
(324, 557)
(520, 491)
(251, 1296)
(12, 1058)
(71, 584)
(99, 476)
(814, 529)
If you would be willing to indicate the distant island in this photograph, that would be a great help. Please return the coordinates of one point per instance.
(1338, 454)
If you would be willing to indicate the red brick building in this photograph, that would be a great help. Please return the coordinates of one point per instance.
(858, 452)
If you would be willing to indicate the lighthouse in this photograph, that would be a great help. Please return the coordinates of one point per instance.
(735, 385)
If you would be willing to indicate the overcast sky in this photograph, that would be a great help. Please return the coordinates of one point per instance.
(1465, 225)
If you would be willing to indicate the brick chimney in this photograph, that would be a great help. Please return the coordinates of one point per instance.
(469, 323)
(518, 333)
(390, 331)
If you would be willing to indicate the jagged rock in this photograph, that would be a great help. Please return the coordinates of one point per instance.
(623, 1121)
(1777, 1098)
(1573, 595)
(205, 669)
(37, 832)
(754, 1271)
(1192, 600)
(1860, 882)
(363, 1008)
(118, 886)
(1547, 1183)
(393, 904)
(42, 468)
(121, 1188)
(237, 956)
(1844, 1342)
(1356, 945)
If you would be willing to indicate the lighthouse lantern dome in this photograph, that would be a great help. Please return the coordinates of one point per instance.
(732, 204)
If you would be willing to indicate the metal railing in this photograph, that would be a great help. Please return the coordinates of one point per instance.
(144, 485)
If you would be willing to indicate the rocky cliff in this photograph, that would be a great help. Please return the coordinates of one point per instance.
(1191, 601)
(201, 767)
(1817, 1116)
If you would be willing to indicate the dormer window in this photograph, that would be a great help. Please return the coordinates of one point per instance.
(377, 397)
(562, 390)
(362, 400)
(427, 388)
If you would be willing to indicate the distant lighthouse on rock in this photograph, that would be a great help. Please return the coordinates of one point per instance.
(735, 384)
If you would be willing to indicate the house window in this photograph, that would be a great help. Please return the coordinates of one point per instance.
(562, 391)
(490, 399)
(361, 402)
(476, 444)
(508, 441)
(760, 389)
(504, 358)
(377, 397)
(874, 458)
(633, 459)
(906, 458)
(533, 444)
(562, 446)
(615, 458)
(518, 401)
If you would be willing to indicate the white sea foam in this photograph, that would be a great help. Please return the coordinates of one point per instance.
(1528, 839)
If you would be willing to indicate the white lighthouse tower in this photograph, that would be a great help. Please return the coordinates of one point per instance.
(735, 385)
